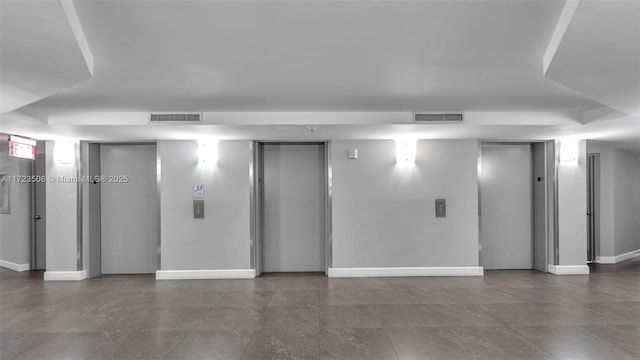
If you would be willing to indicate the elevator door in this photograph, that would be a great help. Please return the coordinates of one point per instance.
(293, 208)
(506, 207)
(129, 209)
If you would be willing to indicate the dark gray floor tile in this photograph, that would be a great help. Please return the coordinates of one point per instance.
(355, 344)
(498, 343)
(302, 283)
(258, 298)
(618, 313)
(537, 295)
(71, 346)
(14, 344)
(168, 319)
(230, 318)
(215, 344)
(348, 316)
(464, 315)
(294, 318)
(427, 343)
(369, 297)
(306, 298)
(431, 296)
(480, 296)
(407, 315)
(142, 345)
(539, 314)
(505, 314)
(282, 344)
(625, 337)
(567, 342)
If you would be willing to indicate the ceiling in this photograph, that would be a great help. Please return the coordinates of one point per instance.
(357, 68)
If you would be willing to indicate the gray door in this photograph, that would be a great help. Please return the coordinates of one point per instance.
(505, 200)
(293, 207)
(129, 210)
(39, 249)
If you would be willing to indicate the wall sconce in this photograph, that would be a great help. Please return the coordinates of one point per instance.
(405, 151)
(207, 152)
(569, 150)
(64, 152)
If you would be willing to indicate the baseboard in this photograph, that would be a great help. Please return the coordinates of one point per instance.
(618, 258)
(13, 266)
(205, 274)
(65, 275)
(406, 271)
(569, 269)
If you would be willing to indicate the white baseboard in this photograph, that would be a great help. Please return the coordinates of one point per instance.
(205, 274)
(406, 271)
(569, 269)
(13, 266)
(65, 275)
(618, 258)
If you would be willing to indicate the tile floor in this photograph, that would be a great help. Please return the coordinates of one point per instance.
(503, 315)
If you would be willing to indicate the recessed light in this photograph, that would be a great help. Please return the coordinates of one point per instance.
(311, 128)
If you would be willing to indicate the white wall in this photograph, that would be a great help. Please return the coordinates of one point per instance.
(14, 227)
(384, 216)
(626, 192)
(572, 209)
(62, 219)
(222, 239)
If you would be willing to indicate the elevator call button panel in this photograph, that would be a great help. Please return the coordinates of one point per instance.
(198, 209)
(441, 208)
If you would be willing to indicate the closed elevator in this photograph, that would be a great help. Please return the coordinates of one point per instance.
(128, 210)
(513, 206)
(291, 196)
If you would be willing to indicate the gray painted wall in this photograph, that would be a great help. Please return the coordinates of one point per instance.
(626, 194)
(62, 231)
(221, 239)
(572, 209)
(384, 215)
(14, 227)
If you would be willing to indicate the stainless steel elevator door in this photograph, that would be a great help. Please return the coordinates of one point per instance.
(129, 210)
(293, 208)
(506, 207)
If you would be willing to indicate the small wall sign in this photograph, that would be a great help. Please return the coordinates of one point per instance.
(198, 190)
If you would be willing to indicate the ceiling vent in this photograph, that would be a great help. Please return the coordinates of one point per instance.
(185, 117)
(436, 117)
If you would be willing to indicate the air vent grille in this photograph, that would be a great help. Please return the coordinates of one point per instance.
(174, 117)
(437, 117)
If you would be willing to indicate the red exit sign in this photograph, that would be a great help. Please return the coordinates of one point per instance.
(22, 147)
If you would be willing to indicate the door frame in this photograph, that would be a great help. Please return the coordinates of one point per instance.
(256, 195)
(549, 196)
(593, 207)
(88, 243)
(33, 212)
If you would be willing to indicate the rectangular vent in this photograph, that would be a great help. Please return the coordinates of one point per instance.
(430, 117)
(174, 117)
